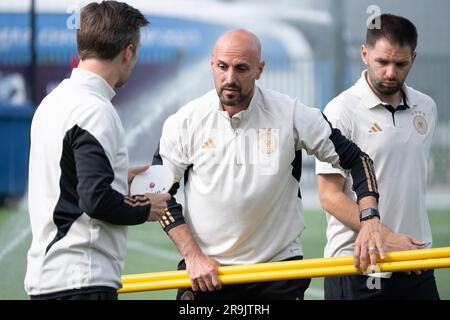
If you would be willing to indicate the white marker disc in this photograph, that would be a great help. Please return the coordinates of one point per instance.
(157, 179)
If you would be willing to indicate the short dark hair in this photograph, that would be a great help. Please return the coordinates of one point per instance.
(107, 28)
(395, 29)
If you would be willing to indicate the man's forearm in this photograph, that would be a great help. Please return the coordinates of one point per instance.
(368, 202)
(184, 241)
(201, 269)
(343, 208)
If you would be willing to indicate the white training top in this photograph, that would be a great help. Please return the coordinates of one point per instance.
(77, 182)
(399, 145)
(242, 194)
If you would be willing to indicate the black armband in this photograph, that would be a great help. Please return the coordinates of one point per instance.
(364, 181)
(360, 165)
(172, 217)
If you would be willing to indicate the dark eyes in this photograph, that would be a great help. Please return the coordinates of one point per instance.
(224, 67)
(399, 65)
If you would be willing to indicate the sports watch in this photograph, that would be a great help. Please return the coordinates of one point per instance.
(368, 213)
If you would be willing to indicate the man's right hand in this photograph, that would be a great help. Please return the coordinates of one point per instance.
(201, 269)
(395, 241)
(158, 203)
(202, 273)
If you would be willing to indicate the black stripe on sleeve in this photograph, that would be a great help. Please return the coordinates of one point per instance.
(95, 175)
(297, 169)
(85, 187)
(359, 163)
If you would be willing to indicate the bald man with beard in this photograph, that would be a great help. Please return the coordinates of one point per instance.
(238, 148)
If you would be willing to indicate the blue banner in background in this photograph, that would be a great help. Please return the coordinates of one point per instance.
(167, 38)
(168, 45)
(14, 38)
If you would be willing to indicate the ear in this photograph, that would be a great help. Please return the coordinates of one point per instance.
(261, 66)
(212, 61)
(414, 55)
(128, 53)
(364, 54)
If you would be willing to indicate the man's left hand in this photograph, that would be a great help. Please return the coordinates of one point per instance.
(133, 172)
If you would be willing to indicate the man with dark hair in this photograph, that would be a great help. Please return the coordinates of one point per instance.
(394, 124)
(395, 29)
(239, 148)
(78, 191)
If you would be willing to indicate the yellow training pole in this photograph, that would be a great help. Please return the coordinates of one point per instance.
(289, 274)
(259, 267)
(295, 264)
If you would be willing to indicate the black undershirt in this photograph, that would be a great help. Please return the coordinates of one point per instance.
(392, 110)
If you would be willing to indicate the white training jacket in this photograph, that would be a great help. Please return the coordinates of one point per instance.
(76, 195)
